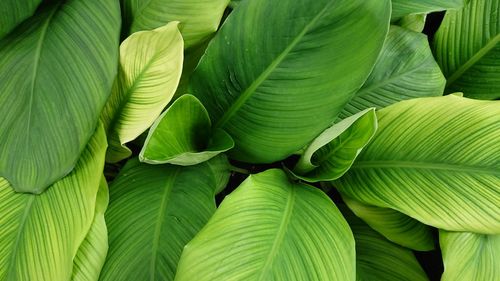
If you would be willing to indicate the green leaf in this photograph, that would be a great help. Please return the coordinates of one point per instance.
(467, 49)
(154, 211)
(150, 70)
(436, 160)
(404, 70)
(199, 18)
(402, 8)
(470, 256)
(275, 89)
(41, 234)
(271, 229)
(56, 72)
(181, 136)
(414, 22)
(91, 255)
(332, 153)
(393, 225)
(13, 12)
(379, 259)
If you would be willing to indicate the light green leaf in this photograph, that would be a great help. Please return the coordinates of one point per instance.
(402, 8)
(154, 211)
(467, 49)
(278, 72)
(470, 256)
(332, 153)
(393, 225)
(13, 12)
(181, 136)
(199, 18)
(91, 255)
(150, 70)
(414, 22)
(436, 160)
(379, 259)
(404, 70)
(41, 234)
(56, 73)
(271, 229)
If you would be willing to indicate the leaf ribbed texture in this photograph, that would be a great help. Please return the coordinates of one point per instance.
(402, 8)
(13, 12)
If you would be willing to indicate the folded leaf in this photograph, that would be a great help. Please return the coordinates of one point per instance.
(393, 225)
(332, 153)
(436, 160)
(154, 211)
(379, 259)
(467, 48)
(199, 18)
(91, 255)
(13, 12)
(414, 22)
(150, 69)
(41, 234)
(278, 72)
(271, 229)
(402, 8)
(181, 136)
(56, 73)
(404, 70)
(470, 256)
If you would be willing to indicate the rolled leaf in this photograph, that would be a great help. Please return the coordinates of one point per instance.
(467, 48)
(149, 72)
(56, 73)
(402, 8)
(436, 160)
(414, 22)
(13, 12)
(278, 73)
(271, 229)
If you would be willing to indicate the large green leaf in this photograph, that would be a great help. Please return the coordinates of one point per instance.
(332, 153)
(13, 12)
(405, 69)
(40, 234)
(271, 229)
(402, 8)
(467, 49)
(470, 256)
(393, 225)
(91, 255)
(199, 18)
(181, 136)
(436, 160)
(149, 72)
(379, 259)
(56, 73)
(154, 211)
(279, 72)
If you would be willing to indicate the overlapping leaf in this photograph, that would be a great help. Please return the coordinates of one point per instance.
(414, 22)
(13, 12)
(271, 229)
(56, 72)
(436, 160)
(402, 8)
(278, 73)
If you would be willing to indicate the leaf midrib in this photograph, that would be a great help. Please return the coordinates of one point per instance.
(240, 101)
(387, 164)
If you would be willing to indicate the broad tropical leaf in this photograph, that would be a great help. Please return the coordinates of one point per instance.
(379, 259)
(332, 153)
(198, 18)
(149, 72)
(436, 160)
(182, 135)
(154, 211)
(402, 8)
(13, 12)
(468, 50)
(404, 70)
(56, 72)
(275, 89)
(91, 255)
(41, 234)
(470, 256)
(393, 225)
(271, 229)
(414, 22)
